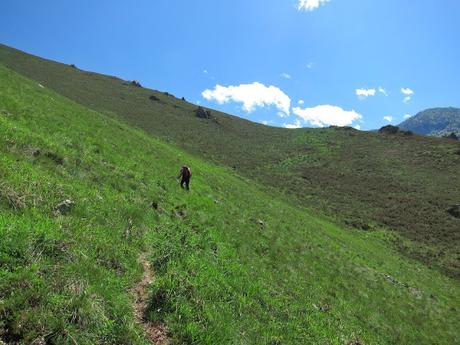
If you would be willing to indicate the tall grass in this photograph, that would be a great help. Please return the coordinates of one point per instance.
(365, 180)
(235, 262)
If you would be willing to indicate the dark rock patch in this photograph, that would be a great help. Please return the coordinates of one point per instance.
(344, 128)
(452, 136)
(389, 129)
(34, 151)
(203, 113)
(54, 157)
(156, 206)
(454, 211)
(260, 222)
(392, 130)
(64, 207)
(154, 98)
(180, 212)
(136, 83)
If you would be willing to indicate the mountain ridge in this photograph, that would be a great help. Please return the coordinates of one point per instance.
(233, 261)
(440, 122)
(362, 180)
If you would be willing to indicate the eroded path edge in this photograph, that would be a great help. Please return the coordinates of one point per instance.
(155, 332)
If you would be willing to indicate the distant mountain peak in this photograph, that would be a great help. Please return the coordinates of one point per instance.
(435, 122)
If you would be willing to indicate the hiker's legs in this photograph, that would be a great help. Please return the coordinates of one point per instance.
(187, 182)
(182, 181)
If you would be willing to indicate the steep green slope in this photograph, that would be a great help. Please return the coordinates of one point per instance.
(436, 121)
(234, 263)
(364, 180)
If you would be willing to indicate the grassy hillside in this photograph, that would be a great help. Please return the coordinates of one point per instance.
(233, 263)
(363, 180)
(436, 121)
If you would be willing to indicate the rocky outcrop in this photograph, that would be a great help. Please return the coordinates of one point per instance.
(454, 211)
(203, 113)
(392, 130)
(389, 129)
(64, 207)
(452, 136)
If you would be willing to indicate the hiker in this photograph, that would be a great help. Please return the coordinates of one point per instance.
(185, 174)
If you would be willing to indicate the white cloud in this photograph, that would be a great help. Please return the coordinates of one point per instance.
(282, 114)
(310, 5)
(286, 76)
(323, 115)
(296, 124)
(406, 91)
(388, 118)
(251, 95)
(383, 91)
(358, 127)
(301, 101)
(363, 93)
(406, 116)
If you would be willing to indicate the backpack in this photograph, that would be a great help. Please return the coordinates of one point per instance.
(186, 172)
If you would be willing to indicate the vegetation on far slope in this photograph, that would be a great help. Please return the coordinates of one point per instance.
(364, 180)
(436, 121)
(234, 263)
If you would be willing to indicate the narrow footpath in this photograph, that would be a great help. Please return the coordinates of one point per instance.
(155, 332)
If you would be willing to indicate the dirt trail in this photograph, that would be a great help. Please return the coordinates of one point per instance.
(155, 332)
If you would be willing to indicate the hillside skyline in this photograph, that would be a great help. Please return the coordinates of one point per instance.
(282, 235)
(286, 63)
(100, 245)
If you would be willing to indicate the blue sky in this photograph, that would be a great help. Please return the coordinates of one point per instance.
(290, 63)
